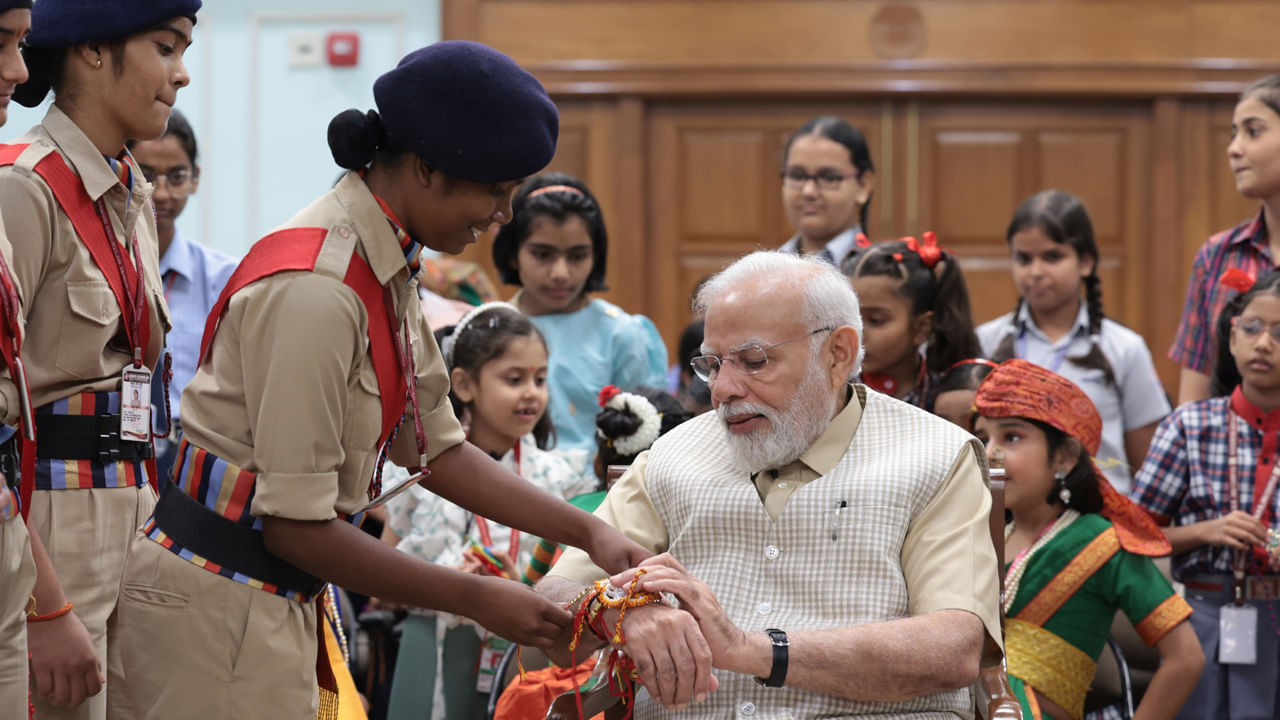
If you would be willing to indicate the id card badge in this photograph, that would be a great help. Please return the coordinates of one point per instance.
(490, 658)
(135, 404)
(1238, 635)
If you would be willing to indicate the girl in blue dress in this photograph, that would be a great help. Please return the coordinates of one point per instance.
(555, 249)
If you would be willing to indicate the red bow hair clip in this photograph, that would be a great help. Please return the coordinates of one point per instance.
(607, 393)
(1237, 279)
(929, 252)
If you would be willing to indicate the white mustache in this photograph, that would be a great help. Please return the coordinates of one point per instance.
(743, 408)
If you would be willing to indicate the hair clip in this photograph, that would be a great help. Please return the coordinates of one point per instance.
(929, 252)
(862, 241)
(606, 394)
(1237, 279)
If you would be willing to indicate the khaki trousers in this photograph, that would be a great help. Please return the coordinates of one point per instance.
(87, 534)
(17, 578)
(194, 644)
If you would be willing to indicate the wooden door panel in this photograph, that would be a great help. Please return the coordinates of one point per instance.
(979, 162)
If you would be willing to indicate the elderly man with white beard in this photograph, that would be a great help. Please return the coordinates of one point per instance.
(828, 544)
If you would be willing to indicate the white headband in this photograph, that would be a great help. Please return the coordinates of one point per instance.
(451, 340)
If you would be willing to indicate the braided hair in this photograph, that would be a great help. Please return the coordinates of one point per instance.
(939, 289)
(1063, 219)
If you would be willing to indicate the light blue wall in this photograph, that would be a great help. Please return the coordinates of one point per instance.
(261, 124)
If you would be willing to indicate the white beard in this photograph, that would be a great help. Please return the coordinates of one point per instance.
(790, 432)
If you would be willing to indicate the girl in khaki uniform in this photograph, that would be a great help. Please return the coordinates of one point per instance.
(317, 365)
(79, 215)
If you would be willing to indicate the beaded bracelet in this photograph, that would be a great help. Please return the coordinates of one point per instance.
(51, 616)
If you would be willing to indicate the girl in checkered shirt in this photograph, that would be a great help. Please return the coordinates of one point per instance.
(1220, 520)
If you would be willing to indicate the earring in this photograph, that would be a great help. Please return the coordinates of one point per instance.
(98, 64)
(1064, 493)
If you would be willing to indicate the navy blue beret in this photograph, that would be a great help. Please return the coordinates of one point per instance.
(63, 23)
(57, 24)
(469, 111)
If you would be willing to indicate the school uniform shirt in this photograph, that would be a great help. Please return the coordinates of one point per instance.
(75, 340)
(834, 251)
(193, 277)
(1245, 247)
(289, 390)
(590, 348)
(1136, 400)
(1185, 477)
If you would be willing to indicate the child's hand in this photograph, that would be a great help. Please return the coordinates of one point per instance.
(1238, 530)
(515, 612)
(508, 566)
(612, 551)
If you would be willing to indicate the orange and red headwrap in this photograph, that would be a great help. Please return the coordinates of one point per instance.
(1020, 389)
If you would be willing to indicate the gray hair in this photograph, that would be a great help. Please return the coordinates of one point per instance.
(829, 300)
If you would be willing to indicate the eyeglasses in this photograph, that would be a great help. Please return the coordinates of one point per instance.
(1253, 327)
(826, 179)
(176, 179)
(749, 360)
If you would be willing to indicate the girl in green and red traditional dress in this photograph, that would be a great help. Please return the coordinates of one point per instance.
(1079, 551)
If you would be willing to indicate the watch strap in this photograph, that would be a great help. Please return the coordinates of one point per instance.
(778, 674)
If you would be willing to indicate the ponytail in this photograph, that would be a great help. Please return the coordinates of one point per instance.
(932, 280)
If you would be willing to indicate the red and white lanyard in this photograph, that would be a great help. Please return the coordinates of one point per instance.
(1260, 505)
(136, 323)
(404, 358)
(482, 525)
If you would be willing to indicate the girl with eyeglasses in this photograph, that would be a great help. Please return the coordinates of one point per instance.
(555, 249)
(1211, 480)
(827, 183)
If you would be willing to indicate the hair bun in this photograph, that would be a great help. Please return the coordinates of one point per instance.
(354, 138)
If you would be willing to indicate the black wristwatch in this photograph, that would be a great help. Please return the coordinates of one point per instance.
(777, 675)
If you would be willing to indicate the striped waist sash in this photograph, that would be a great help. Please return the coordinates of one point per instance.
(203, 517)
(111, 464)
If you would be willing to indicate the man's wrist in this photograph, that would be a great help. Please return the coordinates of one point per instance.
(754, 657)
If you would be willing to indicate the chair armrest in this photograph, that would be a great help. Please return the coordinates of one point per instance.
(999, 699)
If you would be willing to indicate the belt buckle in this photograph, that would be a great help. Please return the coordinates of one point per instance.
(108, 439)
(1263, 588)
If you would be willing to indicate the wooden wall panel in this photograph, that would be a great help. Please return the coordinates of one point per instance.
(978, 163)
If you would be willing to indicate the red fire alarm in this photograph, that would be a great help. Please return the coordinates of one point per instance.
(343, 49)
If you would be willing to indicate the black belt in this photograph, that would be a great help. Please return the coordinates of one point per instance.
(87, 437)
(230, 544)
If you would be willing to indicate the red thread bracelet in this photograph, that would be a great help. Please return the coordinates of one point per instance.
(53, 615)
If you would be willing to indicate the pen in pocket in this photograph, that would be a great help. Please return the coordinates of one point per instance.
(835, 519)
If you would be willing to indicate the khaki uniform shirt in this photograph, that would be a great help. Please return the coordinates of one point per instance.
(936, 556)
(289, 390)
(75, 338)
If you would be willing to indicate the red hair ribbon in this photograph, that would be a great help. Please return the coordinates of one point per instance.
(607, 393)
(1237, 279)
(929, 252)
(862, 241)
